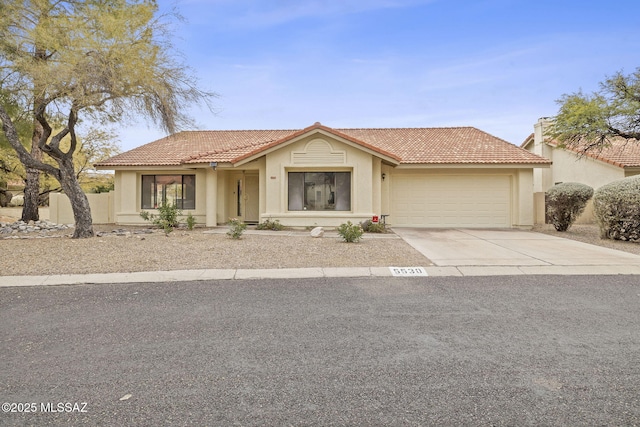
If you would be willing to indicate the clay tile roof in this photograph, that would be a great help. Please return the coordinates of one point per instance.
(620, 152)
(460, 145)
(196, 147)
(466, 145)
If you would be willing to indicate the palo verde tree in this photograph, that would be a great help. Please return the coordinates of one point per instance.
(588, 122)
(104, 60)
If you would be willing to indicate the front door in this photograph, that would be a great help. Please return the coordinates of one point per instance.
(251, 198)
(246, 201)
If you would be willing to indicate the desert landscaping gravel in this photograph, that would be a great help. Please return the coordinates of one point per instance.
(131, 249)
(136, 249)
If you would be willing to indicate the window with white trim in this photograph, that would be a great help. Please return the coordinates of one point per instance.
(179, 190)
(319, 191)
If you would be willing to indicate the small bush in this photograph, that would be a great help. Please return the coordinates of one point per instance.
(270, 225)
(616, 207)
(373, 227)
(191, 221)
(350, 233)
(565, 202)
(376, 227)
(103, 188)
(167, 217)
(236, 228)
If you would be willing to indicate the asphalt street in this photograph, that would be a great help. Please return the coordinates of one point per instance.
(504, 350)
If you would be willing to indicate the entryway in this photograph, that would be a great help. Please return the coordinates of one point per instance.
(246, 196)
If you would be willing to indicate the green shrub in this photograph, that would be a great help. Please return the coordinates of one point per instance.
(270, 225)
(103, 188)
(376, 227)
(616, 207)
(565, 202)
(191, 221)
(236, 228)
(350, 233)
(167, 217)
(373, 227)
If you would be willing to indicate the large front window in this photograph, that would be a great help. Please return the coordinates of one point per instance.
(178, 190)
(319, 191)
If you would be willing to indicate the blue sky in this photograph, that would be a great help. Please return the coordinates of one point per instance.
(498, 65)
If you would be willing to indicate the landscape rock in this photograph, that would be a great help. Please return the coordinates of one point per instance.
(317, 232)
(39, 227)
(17, 201)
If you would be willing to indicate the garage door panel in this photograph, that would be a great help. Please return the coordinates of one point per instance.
(451, 201)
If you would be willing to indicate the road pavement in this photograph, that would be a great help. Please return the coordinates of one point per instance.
(504, 350)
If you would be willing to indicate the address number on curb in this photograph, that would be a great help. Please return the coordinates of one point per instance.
(408, 271)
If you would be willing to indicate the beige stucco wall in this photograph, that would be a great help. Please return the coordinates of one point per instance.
(567, 167)
(522, 191)
(127, 195)
(60, 211)
(335, 156)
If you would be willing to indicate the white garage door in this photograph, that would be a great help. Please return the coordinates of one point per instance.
(451, 201)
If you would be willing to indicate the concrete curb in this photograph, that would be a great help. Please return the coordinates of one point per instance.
(307, 273)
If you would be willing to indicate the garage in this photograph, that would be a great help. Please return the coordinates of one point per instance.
(479, 201)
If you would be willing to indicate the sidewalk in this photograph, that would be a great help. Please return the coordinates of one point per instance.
(305, 273)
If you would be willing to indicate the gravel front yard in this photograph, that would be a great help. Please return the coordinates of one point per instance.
(184, 249)
(195, 249)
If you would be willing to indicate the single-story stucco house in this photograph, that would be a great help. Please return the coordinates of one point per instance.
(620, 159)
(415, 177)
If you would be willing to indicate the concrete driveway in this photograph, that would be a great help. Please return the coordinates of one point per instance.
(507, 251)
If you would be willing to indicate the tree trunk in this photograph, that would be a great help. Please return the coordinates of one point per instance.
(32, 183)
(78, 199)
(31, 194)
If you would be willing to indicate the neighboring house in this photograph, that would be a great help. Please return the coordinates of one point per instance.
(619, 160)
(419, 177)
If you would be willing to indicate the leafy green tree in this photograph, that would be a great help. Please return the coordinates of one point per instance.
(93, 149)
(104, 60)
(589, 121)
